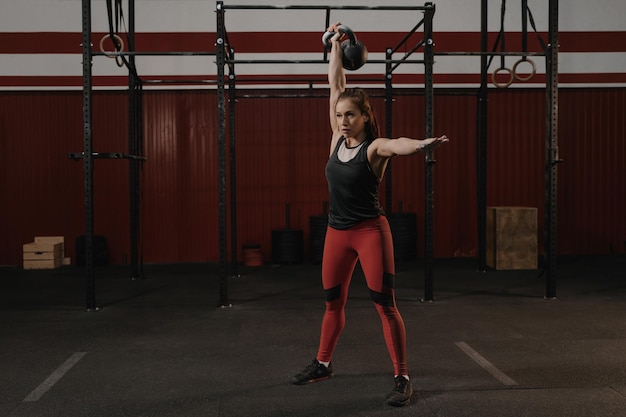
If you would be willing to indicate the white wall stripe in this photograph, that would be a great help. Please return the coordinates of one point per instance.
(199, 15)
(186, 16)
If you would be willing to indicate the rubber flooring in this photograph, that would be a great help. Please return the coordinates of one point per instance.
(490, 344)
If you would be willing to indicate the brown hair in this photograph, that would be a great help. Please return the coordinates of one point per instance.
(359, 97)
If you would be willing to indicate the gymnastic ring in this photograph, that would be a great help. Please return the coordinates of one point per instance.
(503, 85)
(532, 73)
(113, 54)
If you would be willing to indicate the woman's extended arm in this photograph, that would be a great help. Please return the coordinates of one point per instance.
(387, 148)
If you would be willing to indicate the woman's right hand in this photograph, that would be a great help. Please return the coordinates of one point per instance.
(338, 34)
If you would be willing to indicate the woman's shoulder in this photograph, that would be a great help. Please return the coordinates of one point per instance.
(335, 141)
(374, 143)
(376, 148)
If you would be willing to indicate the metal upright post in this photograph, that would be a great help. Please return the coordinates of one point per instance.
(552, 148)
(429, 166)
(481, 143)
(221, 177)
(388, 127)
(134, 137)
(90, 291)
(232, 99)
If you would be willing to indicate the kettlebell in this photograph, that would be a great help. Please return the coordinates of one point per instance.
(354, 52)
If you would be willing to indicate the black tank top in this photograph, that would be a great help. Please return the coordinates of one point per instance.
(353, 189)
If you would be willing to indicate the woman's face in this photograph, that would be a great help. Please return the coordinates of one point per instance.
(350, 120)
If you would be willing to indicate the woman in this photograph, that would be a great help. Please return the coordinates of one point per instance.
(357, 226)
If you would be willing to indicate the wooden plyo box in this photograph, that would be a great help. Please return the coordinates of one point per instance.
(65, 260)
(43, 254)
(52, 239)
(511, 241)
(43, 263)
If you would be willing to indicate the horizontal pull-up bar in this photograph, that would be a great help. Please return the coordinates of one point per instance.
(281, 96)
(277, 61)
(427, 6)
(319, 61)
(489, 53)
(105, 155)
(311, 81)
(135, 53)
(398, 92)
(179, 81)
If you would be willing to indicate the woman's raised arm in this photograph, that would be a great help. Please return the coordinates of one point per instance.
(336, 75)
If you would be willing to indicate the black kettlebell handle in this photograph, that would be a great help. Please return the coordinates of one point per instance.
(343, 29)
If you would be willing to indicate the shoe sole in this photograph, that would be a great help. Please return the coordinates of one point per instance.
(311, 381)
(398, 403)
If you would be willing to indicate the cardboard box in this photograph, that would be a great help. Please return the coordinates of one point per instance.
(511, 241)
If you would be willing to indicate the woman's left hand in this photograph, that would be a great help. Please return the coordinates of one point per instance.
(432, 143)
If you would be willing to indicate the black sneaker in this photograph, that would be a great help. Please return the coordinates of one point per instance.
(402, 391)
(313, 373)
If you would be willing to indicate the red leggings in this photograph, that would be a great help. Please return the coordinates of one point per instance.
(369, 242)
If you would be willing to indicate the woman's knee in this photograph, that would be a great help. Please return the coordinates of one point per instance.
(382, 299)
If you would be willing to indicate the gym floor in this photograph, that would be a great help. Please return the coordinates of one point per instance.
(489, 345)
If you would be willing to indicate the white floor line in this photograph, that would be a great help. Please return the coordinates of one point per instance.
(489, 367)
(54, 377)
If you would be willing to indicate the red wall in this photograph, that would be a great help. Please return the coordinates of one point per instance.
(282, 146)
